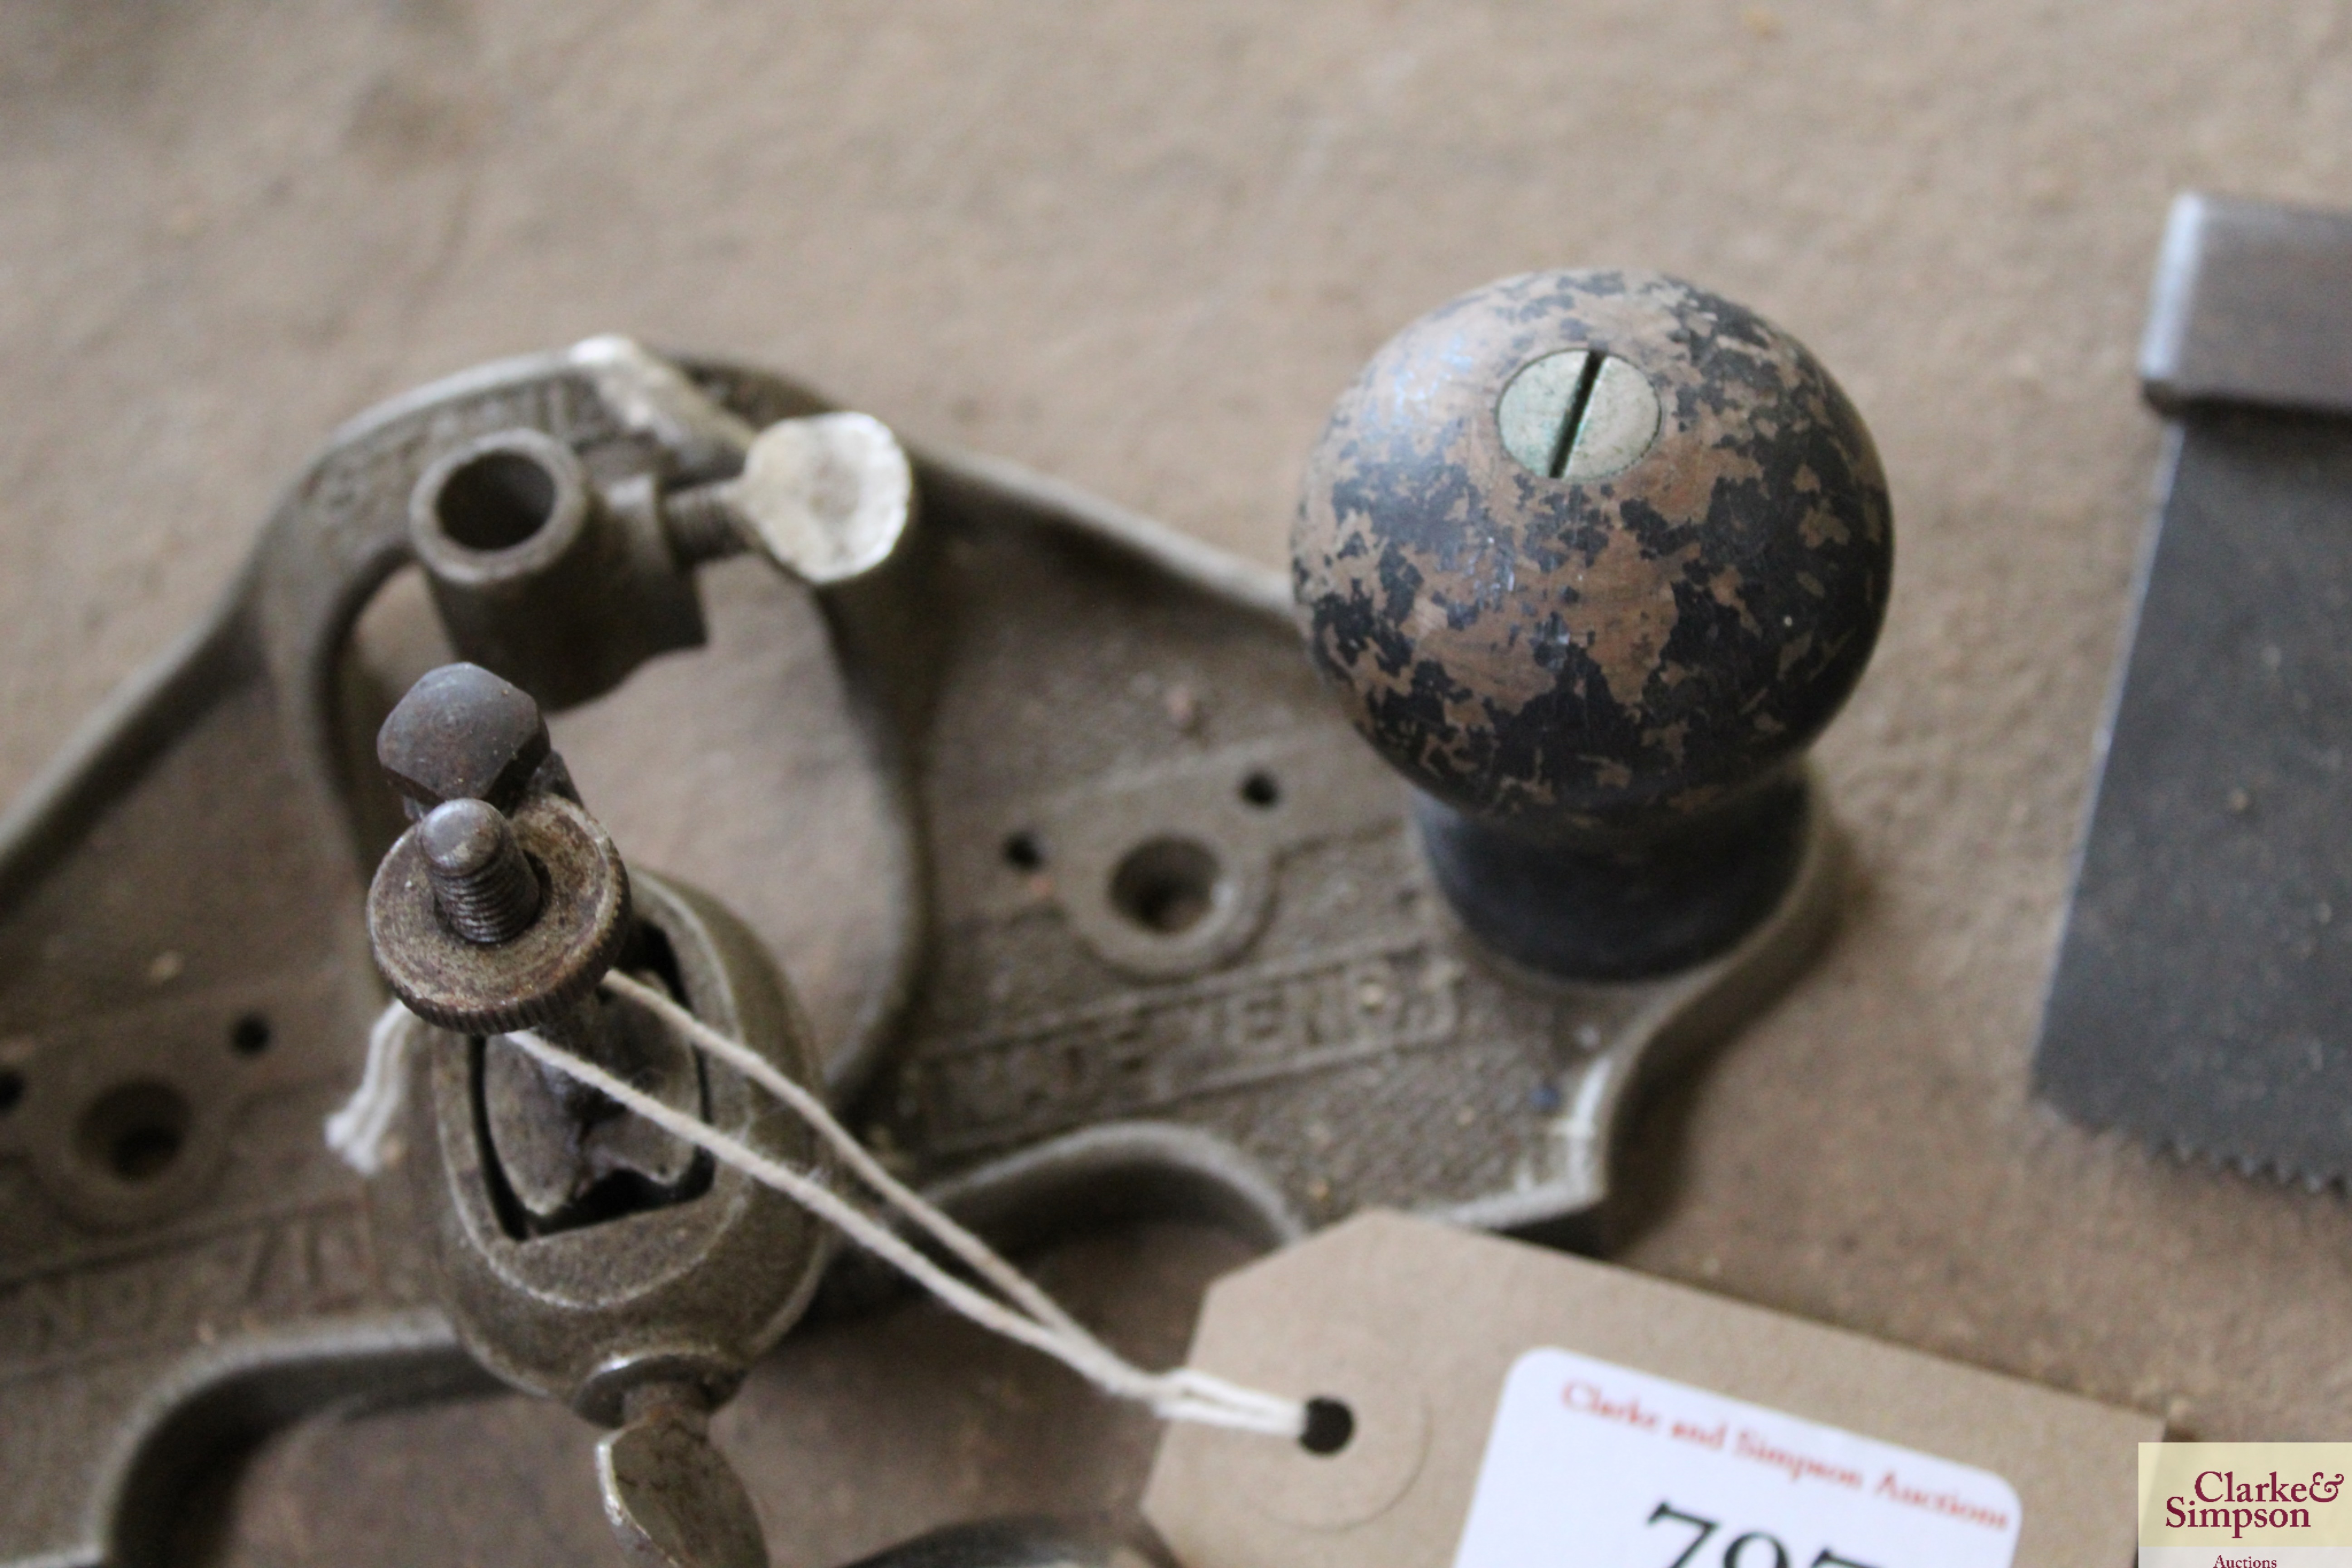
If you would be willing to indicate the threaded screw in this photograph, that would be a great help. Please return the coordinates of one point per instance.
(703, 524)
(485, 888)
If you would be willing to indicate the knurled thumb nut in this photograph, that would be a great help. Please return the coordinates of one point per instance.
(418, 915)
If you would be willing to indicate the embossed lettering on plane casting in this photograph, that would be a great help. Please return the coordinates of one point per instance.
(1149, 1050)
(270, 1268)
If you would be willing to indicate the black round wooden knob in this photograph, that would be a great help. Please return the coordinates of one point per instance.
(1591, 557)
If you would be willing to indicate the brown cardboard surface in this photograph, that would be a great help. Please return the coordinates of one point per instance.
(1414, 1325)
(1140, 245)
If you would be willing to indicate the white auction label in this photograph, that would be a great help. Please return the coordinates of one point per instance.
(1591, 1462)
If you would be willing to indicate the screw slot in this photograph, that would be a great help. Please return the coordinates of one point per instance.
(1166, 885)
(1330, 1425)
(1023, 852)
(12, 1089)
(250, 1036)
(496, 501)
(134, 1132)
(1578, 415)
(1262, 790)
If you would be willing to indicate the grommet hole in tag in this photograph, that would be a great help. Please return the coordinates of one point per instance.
(1330, 1425)
(1509, 1404)
(1367, 1435)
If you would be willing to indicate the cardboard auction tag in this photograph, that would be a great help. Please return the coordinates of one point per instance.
(1516, 1407)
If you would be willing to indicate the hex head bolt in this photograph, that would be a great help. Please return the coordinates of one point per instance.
(506, 904)
(1590, 558)
(462, 734)
(487, 921)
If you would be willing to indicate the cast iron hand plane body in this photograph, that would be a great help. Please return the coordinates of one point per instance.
(1141, 923)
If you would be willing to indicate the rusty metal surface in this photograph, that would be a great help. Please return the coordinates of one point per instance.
(1590, 558)
(585, 1254)
(461, 734)
(1308, 1001)
(1576, 655)
(1141, 247)
(672, 1500)
(480, 988)
(956, 1424)
(1184, 958)
(687, 1287)
(558, 575)
(182, 968)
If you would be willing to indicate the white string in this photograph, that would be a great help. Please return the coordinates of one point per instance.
(362, 1131)
(359, 1129)
(813, 1110)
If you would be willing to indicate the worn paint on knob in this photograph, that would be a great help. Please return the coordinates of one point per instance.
(1570, 650)
(1578, 415)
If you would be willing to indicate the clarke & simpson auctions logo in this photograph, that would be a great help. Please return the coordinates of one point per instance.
(2244, 1505)
(2218, 1499)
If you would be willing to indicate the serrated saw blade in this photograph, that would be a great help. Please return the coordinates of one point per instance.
(2202, 997)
